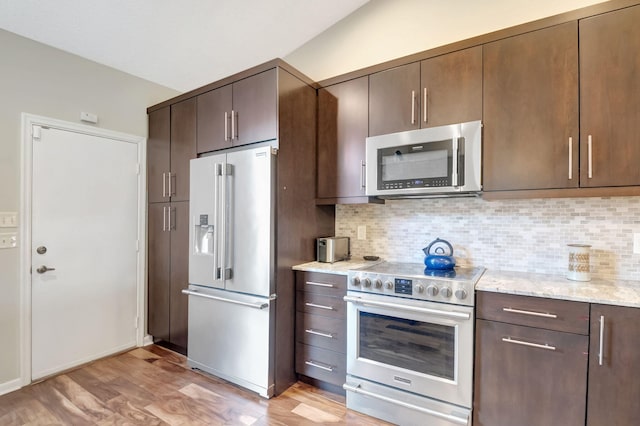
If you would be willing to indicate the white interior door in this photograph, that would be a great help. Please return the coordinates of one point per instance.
(85, 227)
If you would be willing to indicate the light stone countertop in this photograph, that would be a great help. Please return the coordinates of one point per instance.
(608, 292)
(605, 291)
(339, 268)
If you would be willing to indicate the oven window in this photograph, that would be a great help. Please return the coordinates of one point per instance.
(414, 345)
(418, 165)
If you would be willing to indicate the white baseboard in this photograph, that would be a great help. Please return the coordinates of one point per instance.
(148, 340)
(10, 386)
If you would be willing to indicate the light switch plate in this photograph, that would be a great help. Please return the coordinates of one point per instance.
(9, 240)
(8, 219)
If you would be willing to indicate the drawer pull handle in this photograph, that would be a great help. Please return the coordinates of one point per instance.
(313, 305)
(533, 345)
(320, 366)
(532, 313)
(318, 333)
(601, 345)
(320, 284)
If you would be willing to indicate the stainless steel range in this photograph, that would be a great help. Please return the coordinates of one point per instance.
(410, 343)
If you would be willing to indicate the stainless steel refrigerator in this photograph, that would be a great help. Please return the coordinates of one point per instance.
(232, 298)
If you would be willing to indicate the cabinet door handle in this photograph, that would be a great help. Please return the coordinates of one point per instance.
(226, 126)
(164, 219)
(233, 125)
(590, 155)
(413, 107)
(171, 177)
(533, 345)
(164, 184)
(570, 158)
(320, 366)
(424, 105)
(320, 284)
(170, 227)
(314, 305)
(363, 173)
(318, 333)
(532, 313)
(601, 348)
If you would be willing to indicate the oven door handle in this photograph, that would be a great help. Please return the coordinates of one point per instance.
(446, 314)
(449, 417)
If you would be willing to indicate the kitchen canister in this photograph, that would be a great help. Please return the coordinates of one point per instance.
(579, 268)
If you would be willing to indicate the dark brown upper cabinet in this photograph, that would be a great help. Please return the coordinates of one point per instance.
(394, 97)
(342, 132)
(214, 121)
(610, 99)
(158, 154)
(240, 113)
(183, 148)
(530, 107)
(441, 90)
(171, 144)
(451, 88)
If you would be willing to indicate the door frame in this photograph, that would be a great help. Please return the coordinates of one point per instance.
(26, 179)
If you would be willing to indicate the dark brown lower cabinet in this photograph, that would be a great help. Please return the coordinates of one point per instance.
(321, 329)
(614, 376)
(168, 273)
(529, 376)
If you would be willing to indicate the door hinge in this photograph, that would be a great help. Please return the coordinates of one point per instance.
(135, 323)
(137, 245)
(138, 169)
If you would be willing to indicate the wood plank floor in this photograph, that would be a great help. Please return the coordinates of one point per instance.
(154, 386)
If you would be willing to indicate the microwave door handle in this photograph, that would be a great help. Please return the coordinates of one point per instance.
(454, 161)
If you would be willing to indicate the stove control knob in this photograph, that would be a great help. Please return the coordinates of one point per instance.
(446, 291)
(388, 285)
(377, 283)
(355, 281)
(432, 290)
(461, 293)
(420, 288)
(366, 282)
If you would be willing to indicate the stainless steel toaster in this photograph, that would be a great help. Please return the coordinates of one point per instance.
(332, 249)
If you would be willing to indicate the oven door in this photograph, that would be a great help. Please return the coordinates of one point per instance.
(417, 346)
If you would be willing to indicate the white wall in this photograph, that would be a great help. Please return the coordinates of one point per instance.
(382, 30)
(38, 79)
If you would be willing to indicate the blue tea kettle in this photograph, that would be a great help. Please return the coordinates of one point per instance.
(439, 259)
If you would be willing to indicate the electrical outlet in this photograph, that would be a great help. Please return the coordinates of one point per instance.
(362, 232)
(8, 219)
(9, 240)
(636, 243)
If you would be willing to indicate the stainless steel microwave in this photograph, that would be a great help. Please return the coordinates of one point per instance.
(438, 161)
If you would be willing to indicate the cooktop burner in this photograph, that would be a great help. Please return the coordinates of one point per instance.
(413, 280)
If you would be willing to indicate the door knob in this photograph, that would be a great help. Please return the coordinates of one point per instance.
(43, 269)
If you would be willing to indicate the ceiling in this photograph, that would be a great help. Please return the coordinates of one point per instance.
(179, 44)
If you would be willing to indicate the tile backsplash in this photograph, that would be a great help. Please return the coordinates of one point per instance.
(509, 235)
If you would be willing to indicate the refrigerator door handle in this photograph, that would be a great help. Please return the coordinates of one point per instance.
(227, 217)
(217, 209)
(224, 299)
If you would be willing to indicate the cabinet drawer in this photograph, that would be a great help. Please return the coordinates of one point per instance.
(550, 314)
(324, 332)
(321, 364)
(320, 304)
(529, 376)
(318, 282)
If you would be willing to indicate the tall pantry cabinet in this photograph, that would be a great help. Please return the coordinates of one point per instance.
(171, 144)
